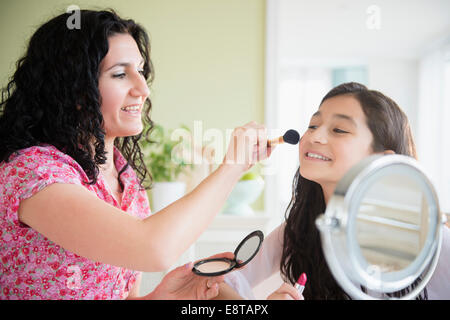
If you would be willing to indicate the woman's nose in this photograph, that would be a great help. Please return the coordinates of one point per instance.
(140, 88)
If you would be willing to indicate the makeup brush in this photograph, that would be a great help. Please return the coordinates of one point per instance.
(291, 136)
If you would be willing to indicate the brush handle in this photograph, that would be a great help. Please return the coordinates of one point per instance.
(275, 141)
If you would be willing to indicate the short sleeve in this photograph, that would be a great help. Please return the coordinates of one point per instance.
(240, 284)
(30, 170)
(439, 286)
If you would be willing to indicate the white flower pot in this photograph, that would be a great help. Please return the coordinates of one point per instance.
(243, 195)
(164, 193)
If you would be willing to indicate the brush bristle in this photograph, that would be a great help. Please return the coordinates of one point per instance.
(291, 136)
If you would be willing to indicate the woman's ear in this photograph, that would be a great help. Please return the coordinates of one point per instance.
(388, 152)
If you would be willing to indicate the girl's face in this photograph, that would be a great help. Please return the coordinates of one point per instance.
(337, 138)
(122, 87)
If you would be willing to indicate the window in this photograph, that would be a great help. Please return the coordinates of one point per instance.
(433, 135)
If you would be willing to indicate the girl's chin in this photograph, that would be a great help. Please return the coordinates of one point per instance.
(308, 175)
(317, 177)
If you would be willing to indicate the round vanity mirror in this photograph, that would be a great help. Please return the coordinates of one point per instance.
(244, 253)
(381, 232)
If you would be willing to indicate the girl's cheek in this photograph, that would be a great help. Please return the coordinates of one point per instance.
(303, 138)
(300, 149)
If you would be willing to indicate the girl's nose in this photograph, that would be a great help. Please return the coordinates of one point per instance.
(319, 136)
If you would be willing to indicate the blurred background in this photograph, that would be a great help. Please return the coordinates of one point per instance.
(401, 48)
(224, 63)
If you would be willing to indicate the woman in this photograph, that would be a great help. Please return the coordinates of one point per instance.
(352, 123)
(75, 218)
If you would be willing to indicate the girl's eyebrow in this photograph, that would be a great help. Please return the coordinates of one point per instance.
(338, 116)
(345, 117)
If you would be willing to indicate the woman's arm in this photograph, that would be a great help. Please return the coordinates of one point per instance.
(78, 221)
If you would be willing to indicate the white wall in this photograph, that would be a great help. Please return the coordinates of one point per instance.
(398, 79)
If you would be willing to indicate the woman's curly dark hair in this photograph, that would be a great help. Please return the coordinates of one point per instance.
(53, 96)
(302, 251)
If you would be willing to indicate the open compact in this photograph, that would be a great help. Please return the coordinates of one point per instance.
(244, 253)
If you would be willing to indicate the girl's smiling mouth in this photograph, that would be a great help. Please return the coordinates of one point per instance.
(316, 156)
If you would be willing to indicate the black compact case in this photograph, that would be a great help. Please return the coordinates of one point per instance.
(244, 253)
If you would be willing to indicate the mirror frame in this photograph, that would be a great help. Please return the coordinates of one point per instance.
(260, 235)
(338, 232)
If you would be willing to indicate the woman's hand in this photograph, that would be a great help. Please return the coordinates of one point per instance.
(248, 145)
(182, 284)
(285, 292)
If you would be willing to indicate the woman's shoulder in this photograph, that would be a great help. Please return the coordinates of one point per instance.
(36, 151)
(40, 160)
(43, 153)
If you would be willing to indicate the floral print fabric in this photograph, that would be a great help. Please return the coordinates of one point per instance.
(32, 266)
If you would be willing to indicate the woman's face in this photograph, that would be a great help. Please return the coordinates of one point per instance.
(122, 87)
(337, 138)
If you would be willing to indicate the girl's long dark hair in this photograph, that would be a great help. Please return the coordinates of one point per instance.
(302, 251)
(53, 96)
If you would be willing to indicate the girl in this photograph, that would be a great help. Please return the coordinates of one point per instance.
(352, 123)
(74, 214)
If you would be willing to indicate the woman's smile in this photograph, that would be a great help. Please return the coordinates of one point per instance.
(133, 110)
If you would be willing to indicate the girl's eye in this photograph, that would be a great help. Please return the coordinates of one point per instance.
(141, 72)
(339, 130)
(312, 127)
(119, 75)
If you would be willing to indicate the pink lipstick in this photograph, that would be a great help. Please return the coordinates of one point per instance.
(300, 285)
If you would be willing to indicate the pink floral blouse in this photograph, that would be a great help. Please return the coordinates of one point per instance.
(32, 266)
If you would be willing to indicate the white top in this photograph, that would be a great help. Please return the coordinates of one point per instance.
(268, 259)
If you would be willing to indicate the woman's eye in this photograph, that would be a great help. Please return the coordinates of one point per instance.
(312, 127)
(141, 72)
(339, 130)
(119, 75)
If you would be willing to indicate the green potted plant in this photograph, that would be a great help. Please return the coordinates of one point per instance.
(165, 161)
